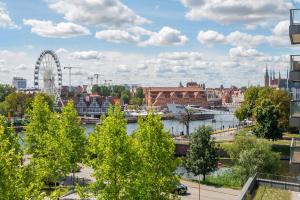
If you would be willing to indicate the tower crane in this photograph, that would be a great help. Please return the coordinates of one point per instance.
(70, 74)
(97, 78)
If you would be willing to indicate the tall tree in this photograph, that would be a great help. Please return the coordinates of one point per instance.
(110, 156)
(74, 132)
(49, 146)
(155, 162)
(202, 156)
(267, 116)
(10, 163)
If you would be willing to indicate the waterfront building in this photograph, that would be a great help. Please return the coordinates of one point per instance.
(19, 83)
(93, 104)
(213, 97)
(192, 94)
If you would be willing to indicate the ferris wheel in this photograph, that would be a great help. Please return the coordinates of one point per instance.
(48, 75)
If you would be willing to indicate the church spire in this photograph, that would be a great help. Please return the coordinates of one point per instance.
(267, 72)
(279, 75)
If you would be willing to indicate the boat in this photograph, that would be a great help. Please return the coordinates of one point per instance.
(196, 113)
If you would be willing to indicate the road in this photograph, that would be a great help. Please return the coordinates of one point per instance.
(208, 192)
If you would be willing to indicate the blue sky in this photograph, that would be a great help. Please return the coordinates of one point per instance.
(148, 42)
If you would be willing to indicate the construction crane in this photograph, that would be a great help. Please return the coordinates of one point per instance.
(91, 78)
(97, 78)
(70, 73)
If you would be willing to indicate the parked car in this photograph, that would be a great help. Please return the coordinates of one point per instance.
(181, 189)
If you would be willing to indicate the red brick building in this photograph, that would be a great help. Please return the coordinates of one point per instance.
(194, 94)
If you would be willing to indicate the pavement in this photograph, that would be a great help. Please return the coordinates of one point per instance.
(208, 192)
(295, 195)
(227, 135)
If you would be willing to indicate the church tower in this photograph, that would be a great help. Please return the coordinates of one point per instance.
(267, 78)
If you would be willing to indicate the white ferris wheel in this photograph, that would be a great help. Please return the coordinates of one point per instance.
(48, 75)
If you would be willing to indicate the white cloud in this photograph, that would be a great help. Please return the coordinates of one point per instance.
(61, 30)
(22, 67)
(278, 38)
(116, 36)
(282, 28)
(192, 56)
(210, 37)
(61, 50)
(251, 13)
(143, 37)
(166, 36)
(103, 13)
(87, 55)
(243, 52)
(5, 19)
(123, 69)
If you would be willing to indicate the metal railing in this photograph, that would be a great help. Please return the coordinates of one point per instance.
(292, 16)
(278, 178)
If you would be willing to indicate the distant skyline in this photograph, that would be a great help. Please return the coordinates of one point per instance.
(153, 43)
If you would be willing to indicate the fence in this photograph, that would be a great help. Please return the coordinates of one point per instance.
(271, 180)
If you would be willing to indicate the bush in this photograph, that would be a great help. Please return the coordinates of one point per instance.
(229, 179)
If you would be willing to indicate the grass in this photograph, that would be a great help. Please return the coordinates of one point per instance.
(291, 135)
(229, 180)
(268, 193)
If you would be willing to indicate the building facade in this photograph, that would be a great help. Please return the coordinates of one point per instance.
(19, 83)
(192, 94)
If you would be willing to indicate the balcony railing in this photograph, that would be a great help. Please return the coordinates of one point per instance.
(295, 68)
(294, 152)
(295, 109)
(294, 30)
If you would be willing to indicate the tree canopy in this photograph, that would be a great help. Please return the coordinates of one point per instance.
(155, 163)
(267, 125)
(251, 155)
(253, 98)
(111, 153)
(49, 146)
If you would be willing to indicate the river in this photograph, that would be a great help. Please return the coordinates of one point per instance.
(175, 127)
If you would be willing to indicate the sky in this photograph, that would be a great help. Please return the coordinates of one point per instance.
(152, 43)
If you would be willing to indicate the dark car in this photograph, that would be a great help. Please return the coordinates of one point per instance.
(181, 189)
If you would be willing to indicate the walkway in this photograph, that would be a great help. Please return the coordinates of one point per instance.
(208, 192)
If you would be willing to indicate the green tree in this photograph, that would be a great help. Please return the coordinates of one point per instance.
(251, 155)
(17, 179)
(254, 97)
(47, 144)
(5, 90)
(10, 163)
(267, 116)
(155, 163)
(137, 101)
(4, 108)
(125, 96)
(110, 156)
(74, 132)
(118, 90)
(247, 107)
(281, 99)
(202, 156)
(18, 102)
(139, 93)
